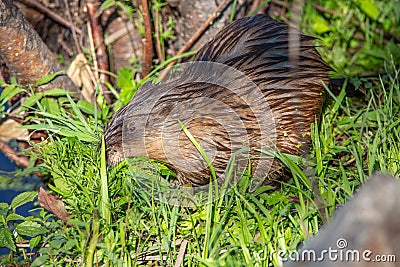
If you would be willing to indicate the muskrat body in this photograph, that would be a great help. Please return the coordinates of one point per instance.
(227, 114)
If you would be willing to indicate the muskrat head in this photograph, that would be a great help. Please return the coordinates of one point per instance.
(120, 133)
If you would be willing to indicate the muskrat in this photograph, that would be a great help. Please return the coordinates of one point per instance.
(224, 120)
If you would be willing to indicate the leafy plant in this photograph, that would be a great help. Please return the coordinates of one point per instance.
(15, 229)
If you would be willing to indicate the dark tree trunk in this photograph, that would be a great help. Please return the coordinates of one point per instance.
(24, 52)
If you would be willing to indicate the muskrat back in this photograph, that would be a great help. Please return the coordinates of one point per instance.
(242, 89)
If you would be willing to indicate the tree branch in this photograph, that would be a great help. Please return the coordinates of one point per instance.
(101, 51)
(195, 36)
(54, 16)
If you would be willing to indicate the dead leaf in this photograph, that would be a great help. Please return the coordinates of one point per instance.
(181, 254)
(52, 204)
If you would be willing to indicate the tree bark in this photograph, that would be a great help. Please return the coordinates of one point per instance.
(24, 52)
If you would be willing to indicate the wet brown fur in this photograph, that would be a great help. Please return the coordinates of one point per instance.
(257, 46)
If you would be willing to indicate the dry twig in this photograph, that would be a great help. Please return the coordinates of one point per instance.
(160, 54)
(51, 14)
(78, 47)
(148, 42)
(181, 254)
(254, 6)
(100, 48)
(195, 36)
